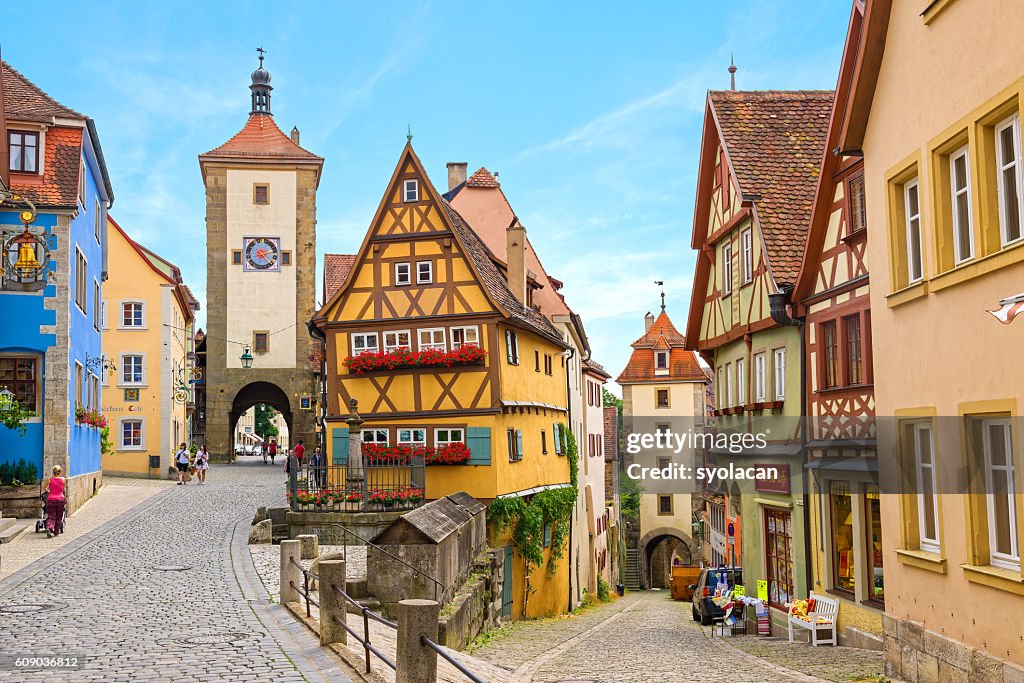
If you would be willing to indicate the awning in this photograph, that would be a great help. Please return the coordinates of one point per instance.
(843, 465)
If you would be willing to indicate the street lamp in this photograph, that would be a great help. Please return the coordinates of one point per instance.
(246, 358)
(6, 402)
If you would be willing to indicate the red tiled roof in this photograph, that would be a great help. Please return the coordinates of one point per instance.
(336, 270)
(260, 138)
(482, 178)
(62, 160)
(682, 364)
(25, 101)
(193, 301)
(595, 368)
(661, 331)
(774, 141)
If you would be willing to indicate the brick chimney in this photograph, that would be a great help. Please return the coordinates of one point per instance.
(456, 173)
(648, 321)
(295, 134)
(515, 237)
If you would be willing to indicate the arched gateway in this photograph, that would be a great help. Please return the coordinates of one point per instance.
(260, 274)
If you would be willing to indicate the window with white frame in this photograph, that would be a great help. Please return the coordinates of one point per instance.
(1011, 179)
(131, 435)
(512, 347)
(132, 369)
(747, 241)
(81, 281)
(443, 437)
(728, 385)
(960, 189)
(364, 342)
(760, 378)
(403, 274)
(96, 305)
(399, 339)
(377, 437)
(912, 207)
(432, 339)
(103, 315)
(720, 388)
(741, 380)
(927, 490)
(94, 391)
(133, 314)
(727, 268)
(79, 385)
(411, 190)
(1003, 542)
(780, 374)
(98, 222)
(661, 361)
(424, 272)
(463, 336)
(412, 437)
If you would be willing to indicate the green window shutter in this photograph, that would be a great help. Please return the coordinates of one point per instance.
(478, 439)
(556, 432)
(339, 436)
(519, 443)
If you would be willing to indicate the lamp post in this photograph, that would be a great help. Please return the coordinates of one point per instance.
(246, 357)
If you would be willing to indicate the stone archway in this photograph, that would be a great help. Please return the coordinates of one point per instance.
(256, 393)
(657, 547)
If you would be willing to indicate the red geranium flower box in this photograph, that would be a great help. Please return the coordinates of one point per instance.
(369, 361)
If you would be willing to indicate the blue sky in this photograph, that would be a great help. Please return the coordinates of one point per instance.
(590, 112)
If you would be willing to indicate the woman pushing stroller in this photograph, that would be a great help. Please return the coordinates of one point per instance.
(55, 502)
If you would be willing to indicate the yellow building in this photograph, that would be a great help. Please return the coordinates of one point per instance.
(423, 282)
(148, 316)
(935, 112)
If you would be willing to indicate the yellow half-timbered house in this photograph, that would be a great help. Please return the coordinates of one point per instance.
(424, 285)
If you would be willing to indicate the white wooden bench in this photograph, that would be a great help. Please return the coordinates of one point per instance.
(822, 618)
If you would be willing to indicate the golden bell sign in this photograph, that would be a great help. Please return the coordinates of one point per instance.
(27, 261)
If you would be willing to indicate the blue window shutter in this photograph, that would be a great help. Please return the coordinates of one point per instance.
(556, 432)
(339, 435)
(519, 443)
(478, 439)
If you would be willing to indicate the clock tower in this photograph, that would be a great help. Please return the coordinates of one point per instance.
(260, 274)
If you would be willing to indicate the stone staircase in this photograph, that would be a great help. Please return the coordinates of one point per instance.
(11, 528)
(631, 573)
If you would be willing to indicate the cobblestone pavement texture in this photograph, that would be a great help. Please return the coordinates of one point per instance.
(826, 662)
(267, 560)
(105, 600)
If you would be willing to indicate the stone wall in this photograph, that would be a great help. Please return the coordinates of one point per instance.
(325, 525)
(915, 654)
(476, 606)
(57, 397)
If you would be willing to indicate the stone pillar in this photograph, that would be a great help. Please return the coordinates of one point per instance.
(354, 472)
(290, 574)
(416, 662)
(332, 605)
(310, 545)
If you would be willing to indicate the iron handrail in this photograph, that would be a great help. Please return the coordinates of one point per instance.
(304, 591)
(367, 614)
(370, 648)
(427, 642)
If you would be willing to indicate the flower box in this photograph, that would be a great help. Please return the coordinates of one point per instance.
(456, 453)
(90, 418)
(369, 361)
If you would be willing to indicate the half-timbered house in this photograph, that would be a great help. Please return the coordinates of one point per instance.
(438, 344)
(760, 156)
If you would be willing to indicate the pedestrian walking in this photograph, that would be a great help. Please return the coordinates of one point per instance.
(300, 451)
(55, 503)
(202, 463)
(273, 451)
(263, 448)
(318, 468)
(181, 460)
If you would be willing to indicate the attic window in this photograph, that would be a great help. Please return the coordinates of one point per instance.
(411, 191)
(24, 150)
(661, 360)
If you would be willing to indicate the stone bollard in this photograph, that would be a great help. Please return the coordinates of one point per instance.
(416, 662)
(332, 573)
(310, 546)
(290, 550)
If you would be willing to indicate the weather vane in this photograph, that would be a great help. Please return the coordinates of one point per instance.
(262, 52)
(408, 135)
(661, 283)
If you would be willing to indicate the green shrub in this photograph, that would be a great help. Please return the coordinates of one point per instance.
(17, 474)
(604, 590)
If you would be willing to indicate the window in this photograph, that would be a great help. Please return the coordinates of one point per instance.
(873, 531)
(779, 556)
(411, 191)
(844, 575)
(912, 208)
(81, 286)
(103, 315)
(94, 391)
(665, 505)
(377, 437)
(260, 193)
(236, 257)
(727, 269)
(662, 398)
(747, 241)
(515, 444)
(547, 534)
(1011, 179)
(547, 364)
(24, 151)
(720, 389)
(760, 378)
(286, 258)
(424, 272)
(97, 305)
(397, 340)
(133, 314)
(81, 183)
(443, 437)
(131, 434)
(854, 351)
(728, 386)
(363, 342)
(780, 374)
(1003, 543)
(79, 385)
(261, 342)
(543, 442)
(132, 369)
(512, 347)
(741, 380)
(959, 186)
(412, 437)
(403, 275)
(536, 360)
(463, 336)
(661, 360)
(858, 210)
(927, 489)
(19, 376)
(432, 339)
(830, 354)
(98, 222)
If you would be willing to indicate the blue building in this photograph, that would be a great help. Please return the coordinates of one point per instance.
(51, 288)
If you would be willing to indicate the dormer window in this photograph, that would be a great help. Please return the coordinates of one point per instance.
(24, 150)
(661, 362)
(411, 191)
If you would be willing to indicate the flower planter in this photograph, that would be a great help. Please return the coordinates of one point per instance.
(20, 501)
(374, 361)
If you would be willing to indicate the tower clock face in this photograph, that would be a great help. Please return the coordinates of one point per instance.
(262, 253)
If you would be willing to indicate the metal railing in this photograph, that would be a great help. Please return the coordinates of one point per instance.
(367, 614)
(381, 485)
(441, 652)
(304, 591)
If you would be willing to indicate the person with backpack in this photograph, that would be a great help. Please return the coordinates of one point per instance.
(202, 463)
(181, 460)
(273, 451)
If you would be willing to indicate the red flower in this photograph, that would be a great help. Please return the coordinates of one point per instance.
(368, 361)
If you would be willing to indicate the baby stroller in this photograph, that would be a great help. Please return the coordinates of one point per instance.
(41, 522)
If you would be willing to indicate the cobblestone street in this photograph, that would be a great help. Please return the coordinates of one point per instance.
(104, 598)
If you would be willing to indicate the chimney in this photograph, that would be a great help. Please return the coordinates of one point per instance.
(515, 237)
(648, 321)
(295, 134)
(456, 173)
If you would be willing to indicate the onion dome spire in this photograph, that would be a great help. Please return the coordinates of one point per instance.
(261, 88)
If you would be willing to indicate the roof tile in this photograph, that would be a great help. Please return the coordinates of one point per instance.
(482, 178)
(260, 138)
(62, 161)
(336, 270)
(25, 101)
(682, 367)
